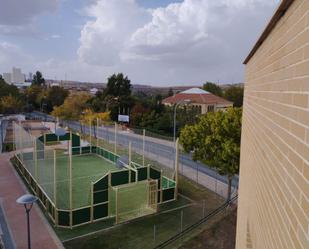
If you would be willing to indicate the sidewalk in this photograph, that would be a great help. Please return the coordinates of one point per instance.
(11, 188)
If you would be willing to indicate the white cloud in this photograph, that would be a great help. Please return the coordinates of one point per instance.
(193, 41)
(104, 38)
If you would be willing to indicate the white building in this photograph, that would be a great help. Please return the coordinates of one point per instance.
(17, 76)
(7, 78)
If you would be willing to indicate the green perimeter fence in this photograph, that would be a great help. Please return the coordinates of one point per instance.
(108, 194)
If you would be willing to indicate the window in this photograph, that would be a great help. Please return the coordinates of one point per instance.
(210, 108)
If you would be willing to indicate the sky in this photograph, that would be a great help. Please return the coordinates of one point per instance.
(153, 42)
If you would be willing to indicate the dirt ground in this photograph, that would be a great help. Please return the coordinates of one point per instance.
(220, 235)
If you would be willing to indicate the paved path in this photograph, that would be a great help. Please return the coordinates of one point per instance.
(11, 188)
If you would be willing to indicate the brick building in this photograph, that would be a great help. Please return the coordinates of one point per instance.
(273, 210)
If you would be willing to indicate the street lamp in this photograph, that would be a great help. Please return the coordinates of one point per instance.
(27, 200)
(184, 101)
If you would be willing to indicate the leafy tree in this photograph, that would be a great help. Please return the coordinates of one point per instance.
(118, 85)
(10, 104)
(55, 96)
(38, 79)
(213, 88)
(8, 89)
(35, 96)
(170, 92)
(73, 107)
(215, 140)
(235, 94)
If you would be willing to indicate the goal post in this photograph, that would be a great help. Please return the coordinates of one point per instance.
(135, 200)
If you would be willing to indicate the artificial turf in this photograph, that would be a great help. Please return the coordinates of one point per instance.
(86, 169)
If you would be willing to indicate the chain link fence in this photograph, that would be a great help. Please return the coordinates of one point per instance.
(158, 150)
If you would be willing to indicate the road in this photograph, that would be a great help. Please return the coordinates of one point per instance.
(160, 150)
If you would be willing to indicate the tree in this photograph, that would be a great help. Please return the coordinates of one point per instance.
(115, 98)
(10, 105)
(38, 79)
(55, 96)
(73, 107)
(170, 92)
(235, 94)
(215, 140)
(213, 88)
(118, 85)
(8, 89)
(35, 96)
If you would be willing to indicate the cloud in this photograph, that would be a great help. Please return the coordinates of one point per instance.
(104, 38)
(194, 40)
(18, 17)
(16, 12)
(12, 55)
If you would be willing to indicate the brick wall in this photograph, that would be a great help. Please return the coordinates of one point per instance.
(274, 172)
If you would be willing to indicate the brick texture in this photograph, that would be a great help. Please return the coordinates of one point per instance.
(274, 174)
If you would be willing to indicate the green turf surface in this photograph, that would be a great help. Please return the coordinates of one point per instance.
(85, 169)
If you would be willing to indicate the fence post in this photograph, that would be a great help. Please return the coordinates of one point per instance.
(176, 167)
(130, 153)
(115, 149)
(55, 179)
(70, 180)
(181, 221)
(204, 208)
(154, 233)
(90, 134)
(91, 209)
(196, 173)
(144, 134)
(97, 133)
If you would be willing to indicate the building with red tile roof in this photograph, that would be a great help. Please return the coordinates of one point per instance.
(199, 98)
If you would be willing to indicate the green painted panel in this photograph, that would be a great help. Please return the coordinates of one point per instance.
(64, 218)
(133, 176)
(100, 196)
(100, 211)
(81, 216)
(168, 194)
(101, 184)
(120, 177)
(142, 174)
(75, 140)
(51, 137)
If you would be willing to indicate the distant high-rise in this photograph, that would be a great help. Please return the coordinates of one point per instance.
(17, 76)
(30, 76)
(7, 78)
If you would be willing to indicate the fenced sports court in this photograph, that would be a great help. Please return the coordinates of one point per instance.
(78, 183)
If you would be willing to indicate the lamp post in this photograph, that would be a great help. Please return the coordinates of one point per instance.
(184, 101)
(27, 200)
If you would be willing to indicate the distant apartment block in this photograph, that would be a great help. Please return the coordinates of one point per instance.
(16, 77)
(273, 206)
(198, 98)
(7, 78)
